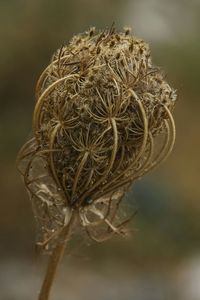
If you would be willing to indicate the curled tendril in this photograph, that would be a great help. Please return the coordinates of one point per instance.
(102, 119)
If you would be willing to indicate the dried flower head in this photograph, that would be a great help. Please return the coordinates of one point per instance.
(102, 119)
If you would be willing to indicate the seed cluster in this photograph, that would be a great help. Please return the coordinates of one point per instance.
(102, 119)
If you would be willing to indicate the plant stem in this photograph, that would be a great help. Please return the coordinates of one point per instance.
(54, 260)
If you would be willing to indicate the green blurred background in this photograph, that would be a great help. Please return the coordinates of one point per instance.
(161, 259)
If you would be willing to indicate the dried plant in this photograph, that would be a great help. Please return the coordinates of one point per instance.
(102, 119)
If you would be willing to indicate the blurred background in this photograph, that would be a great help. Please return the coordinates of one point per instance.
(161, 259)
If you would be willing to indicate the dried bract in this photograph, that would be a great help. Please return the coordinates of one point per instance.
(102, 119)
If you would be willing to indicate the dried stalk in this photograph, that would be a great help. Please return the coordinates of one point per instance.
(54, 260)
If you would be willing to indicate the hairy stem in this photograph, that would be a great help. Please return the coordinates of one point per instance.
(54, 260)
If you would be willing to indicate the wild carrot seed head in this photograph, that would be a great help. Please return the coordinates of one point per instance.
(102, 119)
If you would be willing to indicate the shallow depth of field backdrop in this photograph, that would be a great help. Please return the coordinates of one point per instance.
(161, 260)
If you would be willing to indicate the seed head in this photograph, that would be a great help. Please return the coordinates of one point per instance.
(102, 119)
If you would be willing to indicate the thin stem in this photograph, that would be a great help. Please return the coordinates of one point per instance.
(54, 260)
(78, 173)
(52, 140)
(112, 159)
(44, 73)
(41, 99)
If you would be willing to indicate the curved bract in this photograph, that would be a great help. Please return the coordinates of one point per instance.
(102, 119)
